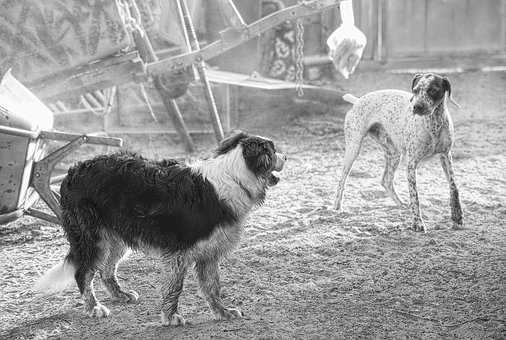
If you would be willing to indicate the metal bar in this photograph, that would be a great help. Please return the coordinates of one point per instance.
(141, 40)
(100, 97)
(11, 216)
(87, 78)
(226, 105)
(194, 45)
(19, 132)
(251, 31)
(175, 115)
(380, 31)
(147, 53)
(42, 173)
(150, 131)
(64, 136)
(231, 14)
(60, 105)
(76, 111)
(42, 215)
(111, 94)
(53, 108)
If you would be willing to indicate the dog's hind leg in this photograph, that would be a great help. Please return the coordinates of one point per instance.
(353, 144)
(115, 252)
(86, 254)
(209, 281)
(173, 271)
(418, 223)
(392, 159)
(84, 279)
(446, 163)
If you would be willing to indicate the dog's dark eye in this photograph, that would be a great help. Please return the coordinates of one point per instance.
(272, 146)
(434, 92)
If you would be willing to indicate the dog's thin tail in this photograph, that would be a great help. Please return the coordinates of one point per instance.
(350, 98)
(56, 279)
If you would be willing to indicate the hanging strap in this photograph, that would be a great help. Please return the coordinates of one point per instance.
(346, 10)
(299, 54)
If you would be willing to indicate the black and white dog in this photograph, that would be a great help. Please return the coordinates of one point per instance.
(190, 214)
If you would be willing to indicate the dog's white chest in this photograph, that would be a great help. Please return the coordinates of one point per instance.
(220, 242)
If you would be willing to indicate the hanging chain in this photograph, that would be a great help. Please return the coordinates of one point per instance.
(131, 21)
(299, 53)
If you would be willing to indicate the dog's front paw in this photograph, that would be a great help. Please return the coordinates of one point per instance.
(419, 226)
(228, 314)
(130, 297)
(174, 320)
(457, 225)
(99, 311)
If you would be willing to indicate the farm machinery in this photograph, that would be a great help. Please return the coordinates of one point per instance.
(121, 53)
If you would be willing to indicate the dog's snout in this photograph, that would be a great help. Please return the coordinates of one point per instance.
(280, 161)
(419, 108)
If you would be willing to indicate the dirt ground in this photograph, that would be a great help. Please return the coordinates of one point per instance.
(302, 270)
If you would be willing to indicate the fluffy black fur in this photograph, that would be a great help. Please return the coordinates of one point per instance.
(162, 204)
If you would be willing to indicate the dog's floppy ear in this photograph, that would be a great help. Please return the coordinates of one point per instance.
(256, 155)
(231, 142)
(447, 87)
(263, 163)
(415, 80)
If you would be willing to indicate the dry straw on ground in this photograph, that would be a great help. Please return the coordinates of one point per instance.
(303, 271)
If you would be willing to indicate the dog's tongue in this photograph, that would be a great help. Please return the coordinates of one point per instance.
(273, 180)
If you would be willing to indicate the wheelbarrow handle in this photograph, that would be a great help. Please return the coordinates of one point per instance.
(68, 137)
(18, 132)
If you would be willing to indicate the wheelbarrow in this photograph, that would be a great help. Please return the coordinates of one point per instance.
(26, 166)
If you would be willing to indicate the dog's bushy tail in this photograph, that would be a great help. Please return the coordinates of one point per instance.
(56, 279)
(350, 98)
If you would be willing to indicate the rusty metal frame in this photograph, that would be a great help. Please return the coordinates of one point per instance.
(42, 170)
(132, 68)
(229, 41)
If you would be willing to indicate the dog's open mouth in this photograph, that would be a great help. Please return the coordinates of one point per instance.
(278, 166)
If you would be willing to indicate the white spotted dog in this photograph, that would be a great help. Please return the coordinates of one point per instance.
(189, 214)
(416, 125)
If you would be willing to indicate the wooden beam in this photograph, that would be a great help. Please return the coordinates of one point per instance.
(70, 137)
(184, 12)
(89, 78)
(151, 131)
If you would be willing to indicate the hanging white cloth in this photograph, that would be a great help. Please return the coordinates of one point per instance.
(346, 44)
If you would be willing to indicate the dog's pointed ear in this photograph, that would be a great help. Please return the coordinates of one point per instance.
(417, 77)
(447, 87)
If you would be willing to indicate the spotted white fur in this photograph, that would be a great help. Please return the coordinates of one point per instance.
(417, 125)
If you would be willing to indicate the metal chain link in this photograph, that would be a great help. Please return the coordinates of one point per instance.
(131, 21)
(299, 54)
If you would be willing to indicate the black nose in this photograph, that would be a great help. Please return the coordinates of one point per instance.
(418, 107)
